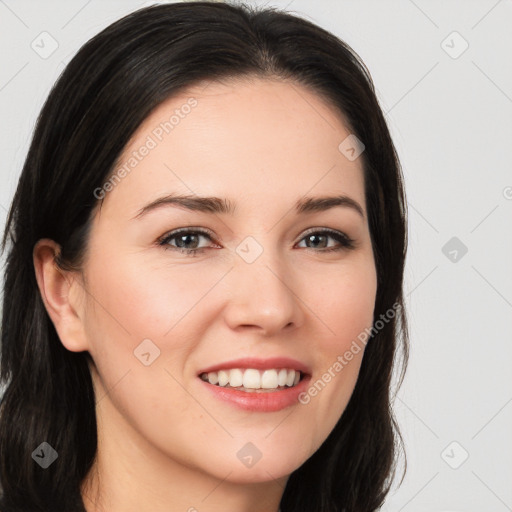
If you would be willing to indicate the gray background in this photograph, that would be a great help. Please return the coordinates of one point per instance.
(450, 113)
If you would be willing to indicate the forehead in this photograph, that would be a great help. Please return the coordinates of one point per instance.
(238, 138)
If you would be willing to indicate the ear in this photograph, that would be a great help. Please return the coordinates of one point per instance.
(62, 293)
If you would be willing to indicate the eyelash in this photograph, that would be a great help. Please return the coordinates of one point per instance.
(346, 243)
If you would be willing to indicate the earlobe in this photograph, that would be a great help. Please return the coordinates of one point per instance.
(60, 291)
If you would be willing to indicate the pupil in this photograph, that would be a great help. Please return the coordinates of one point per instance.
(312, 237)
(183, 237)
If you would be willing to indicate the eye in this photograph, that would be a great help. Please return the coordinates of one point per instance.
(317, 238)
(187, 240)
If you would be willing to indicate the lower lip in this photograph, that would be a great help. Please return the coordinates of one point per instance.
(267, 401)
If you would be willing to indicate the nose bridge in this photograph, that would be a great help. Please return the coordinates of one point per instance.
(261, 292)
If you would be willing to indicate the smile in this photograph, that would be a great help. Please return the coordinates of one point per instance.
(254, 380)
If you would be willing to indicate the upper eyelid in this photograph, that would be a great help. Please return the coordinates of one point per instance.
(176, 232)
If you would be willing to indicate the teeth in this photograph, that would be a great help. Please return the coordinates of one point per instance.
(269, 379)
(235, 377)
(282, 377)
(251, 378)
(223, 378)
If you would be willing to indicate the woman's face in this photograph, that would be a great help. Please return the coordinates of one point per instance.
(264, 285)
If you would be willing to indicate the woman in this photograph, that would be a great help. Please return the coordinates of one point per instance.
(251, 369)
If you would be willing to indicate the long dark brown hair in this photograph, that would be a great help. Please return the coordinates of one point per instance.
(112, 84)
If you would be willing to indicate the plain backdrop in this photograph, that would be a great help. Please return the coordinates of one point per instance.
(443, 72)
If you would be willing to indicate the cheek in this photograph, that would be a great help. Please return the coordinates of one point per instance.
(345, 307)
(127, 305)
(345, 303)
(132, 303)
(141, 300)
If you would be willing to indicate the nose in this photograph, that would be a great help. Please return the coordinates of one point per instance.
(262, 297)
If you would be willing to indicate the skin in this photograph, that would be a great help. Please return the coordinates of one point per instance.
(164, 442)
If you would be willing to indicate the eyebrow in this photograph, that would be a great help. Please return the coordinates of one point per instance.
(217, 205)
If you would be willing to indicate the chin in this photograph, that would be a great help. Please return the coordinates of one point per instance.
(275, 466)
(260, 473)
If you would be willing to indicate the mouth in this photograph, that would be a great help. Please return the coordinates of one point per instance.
(255, 384)
(254, 380)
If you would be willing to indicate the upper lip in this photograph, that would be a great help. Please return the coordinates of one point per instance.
(259, 364)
